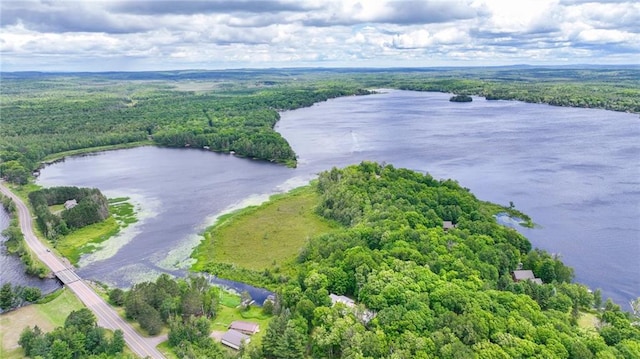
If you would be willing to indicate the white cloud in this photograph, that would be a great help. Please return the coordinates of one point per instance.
(413, 40)
(151, 35)
(607, 36)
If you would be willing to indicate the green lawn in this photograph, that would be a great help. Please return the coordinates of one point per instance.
(261, 237)
(56, 208)
(84, 240)
(47, 316)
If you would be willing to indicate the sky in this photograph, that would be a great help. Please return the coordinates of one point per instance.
(51, 35)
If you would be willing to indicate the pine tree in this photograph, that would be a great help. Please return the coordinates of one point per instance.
(7, 297)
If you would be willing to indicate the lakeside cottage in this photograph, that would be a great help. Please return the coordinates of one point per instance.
(520, 275)
(234, 339)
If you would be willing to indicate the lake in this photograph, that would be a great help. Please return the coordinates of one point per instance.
(574, 171)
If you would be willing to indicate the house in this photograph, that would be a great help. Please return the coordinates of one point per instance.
(248, 328)
(447, 225)
(342, 299)
(520, 275)
(70, 204)
(234, 339)
(361, 312)
(270, 298)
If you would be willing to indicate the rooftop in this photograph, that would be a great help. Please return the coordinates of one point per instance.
(234, 339)
(525, 274)
(342, 299)
(245, 327)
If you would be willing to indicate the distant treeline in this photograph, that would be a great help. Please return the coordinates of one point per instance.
(598, 95)
(46, 114)
(91, 207)
(94, 114)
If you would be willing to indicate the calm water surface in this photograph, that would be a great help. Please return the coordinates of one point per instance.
(575, 171)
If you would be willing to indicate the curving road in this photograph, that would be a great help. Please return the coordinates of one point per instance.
(107, 317)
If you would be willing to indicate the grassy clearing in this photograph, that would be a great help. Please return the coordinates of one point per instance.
(84, 240)
(261, 237)
(56, 208)
(230, 300)
(47, 316)
(588, 321)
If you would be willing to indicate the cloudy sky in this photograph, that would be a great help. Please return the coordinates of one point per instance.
(54, 35)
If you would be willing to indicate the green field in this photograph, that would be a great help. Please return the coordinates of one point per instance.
(266, 236)
(47, 316)
(84, 240)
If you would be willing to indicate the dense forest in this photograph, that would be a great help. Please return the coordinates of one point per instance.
(235, 111)
(89, 206)
(422, 291)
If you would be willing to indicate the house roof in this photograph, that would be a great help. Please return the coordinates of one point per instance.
(523, 275)
(448, 225)
(234, 339)
(342, 299)
(245, 327)
(70, 203)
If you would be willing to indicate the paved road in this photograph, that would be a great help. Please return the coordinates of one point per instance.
(107, 317)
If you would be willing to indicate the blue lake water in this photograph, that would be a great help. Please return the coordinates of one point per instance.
(574, 171)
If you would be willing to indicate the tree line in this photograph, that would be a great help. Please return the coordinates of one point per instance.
(43, 116)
